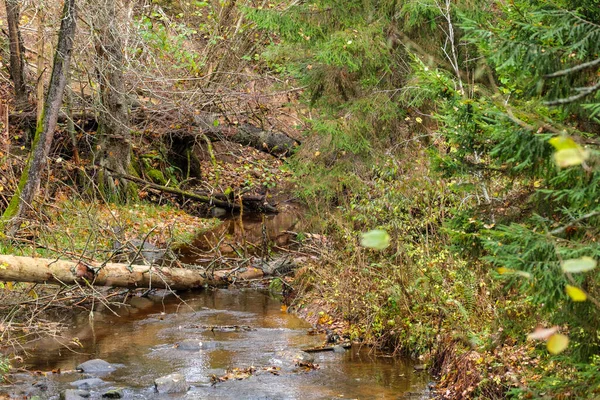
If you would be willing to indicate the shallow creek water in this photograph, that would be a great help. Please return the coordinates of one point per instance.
(143, 338)
(143, 344)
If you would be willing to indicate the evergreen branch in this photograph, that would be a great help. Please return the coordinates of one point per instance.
(526, 126)
(573, 69)
(583, 92)
(560, 230)
(544, 126)
(581, 19)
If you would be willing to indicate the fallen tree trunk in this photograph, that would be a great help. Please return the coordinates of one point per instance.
(252, 203)
(272, 142)
(61, 272)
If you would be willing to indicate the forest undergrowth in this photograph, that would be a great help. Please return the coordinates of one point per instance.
(469, 146)
(464, 134)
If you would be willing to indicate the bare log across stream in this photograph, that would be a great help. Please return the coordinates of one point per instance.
(61, 272)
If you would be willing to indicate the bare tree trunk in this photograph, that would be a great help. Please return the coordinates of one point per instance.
(40, 63)
(17, 54)
(32, 175)
(115, 136)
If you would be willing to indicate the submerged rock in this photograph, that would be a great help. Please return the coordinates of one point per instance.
(174, 383)
(420, 367)
(96, 366)
(291, 358)
(113, 394)
(75, 394)
(88, 383)
(141, 302)
(339, 349)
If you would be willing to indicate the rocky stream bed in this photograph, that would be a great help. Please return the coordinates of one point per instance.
(217, 344)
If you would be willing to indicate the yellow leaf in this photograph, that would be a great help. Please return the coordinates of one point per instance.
(508, 271)
(563, 143)
(570, 157)
(557, 343)
(575, 293)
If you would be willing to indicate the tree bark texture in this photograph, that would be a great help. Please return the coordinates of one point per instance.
(115, 136)
(30, 179)
(275, 143)
(40, 63)
(61, 272)
(17, 54)
(271, 142)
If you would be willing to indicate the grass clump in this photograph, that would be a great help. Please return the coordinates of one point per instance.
(74, 228)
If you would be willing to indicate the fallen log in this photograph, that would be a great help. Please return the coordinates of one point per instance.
(62, 272)
(273, 142)
(252, 204)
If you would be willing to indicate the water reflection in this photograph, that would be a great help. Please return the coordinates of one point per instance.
(246, 235)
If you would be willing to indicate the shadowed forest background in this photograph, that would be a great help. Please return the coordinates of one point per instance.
(444, 154)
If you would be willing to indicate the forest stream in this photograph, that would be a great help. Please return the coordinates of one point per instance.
(230, 330)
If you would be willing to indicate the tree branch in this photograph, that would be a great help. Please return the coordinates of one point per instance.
(573, 69)
(583, 92)
(213, 200)
(560, 230)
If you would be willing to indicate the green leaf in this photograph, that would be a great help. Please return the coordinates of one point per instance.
(557, 343)
(579, 264)
(376, 239)
(575, 293)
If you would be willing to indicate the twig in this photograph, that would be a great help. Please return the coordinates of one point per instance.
(560, 230)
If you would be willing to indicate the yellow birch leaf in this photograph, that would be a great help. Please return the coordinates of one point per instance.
(575, 293)
(570, 157)
(557, 343)
(504, 270)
